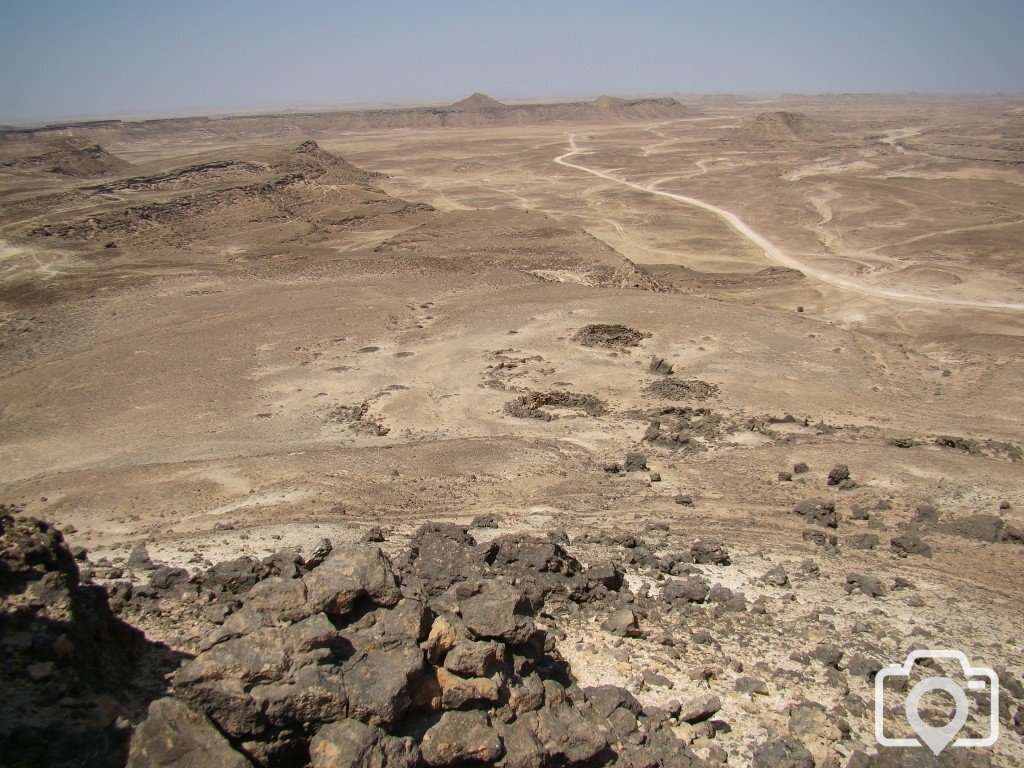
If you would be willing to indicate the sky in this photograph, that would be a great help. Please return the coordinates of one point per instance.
(91, 58)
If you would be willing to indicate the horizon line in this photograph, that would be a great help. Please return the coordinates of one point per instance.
(301, 108)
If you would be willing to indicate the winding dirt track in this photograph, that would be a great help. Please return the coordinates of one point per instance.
(774, 253)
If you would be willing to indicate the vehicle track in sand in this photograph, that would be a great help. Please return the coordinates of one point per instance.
(771, 251)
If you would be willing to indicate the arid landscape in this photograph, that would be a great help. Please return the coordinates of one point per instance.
(723, 392)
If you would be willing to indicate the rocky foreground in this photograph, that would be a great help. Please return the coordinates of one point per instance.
(446, 654)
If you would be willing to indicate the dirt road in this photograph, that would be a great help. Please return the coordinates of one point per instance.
(774, 253)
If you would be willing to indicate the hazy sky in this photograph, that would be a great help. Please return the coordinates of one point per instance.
(103, 57)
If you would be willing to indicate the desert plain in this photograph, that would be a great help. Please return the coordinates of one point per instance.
(793, 327)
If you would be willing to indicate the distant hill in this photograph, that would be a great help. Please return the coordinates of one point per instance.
(478, 101)
(478, 110)
(341, 168)
(788, 127)
(607, 102)
(605, 107)
(66, 157)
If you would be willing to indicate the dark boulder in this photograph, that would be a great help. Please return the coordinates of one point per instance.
(460, 738)
(838, 474)
(709, 552)
(349, 578)
(819, 512)
(498, 612)
(174, 735)
(910, 544)
(866, 584)
(787, 752)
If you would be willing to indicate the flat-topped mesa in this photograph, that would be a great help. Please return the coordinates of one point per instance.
(648, 107)
(478, 101)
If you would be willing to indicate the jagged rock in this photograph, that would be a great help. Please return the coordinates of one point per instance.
(475, 659)
(787, 752)
(165, 577)
(828, 654)
(860, 665)
(567, 736)
(69, 666)
(139, 559)
(217, 680)
(866, 584)
(605, 699)
(409, 621)
(518, 552)
(373, 535)
(709, 552)
(332, 665)
(809, 568)
(820, 538)
(349, 576)
(455, 691)
(379, 684)
(838, 474)
(527, 694)
(635, 462)
(316, 695)
(174, 735)
(622, 623)
(237, 576)
(862, 541)
(727, 600)
(691, 590)
(660, 365)
(498, 612)
(279, 599)
(285, 562)
(1011, 534)
(460, 738)
(352, 744)
(819, 512)
(910, 544)
(776, 576)
(441, 638)
(441, 555)
(522, 747)
(699, 709)
(320, 552)
(606, 574)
